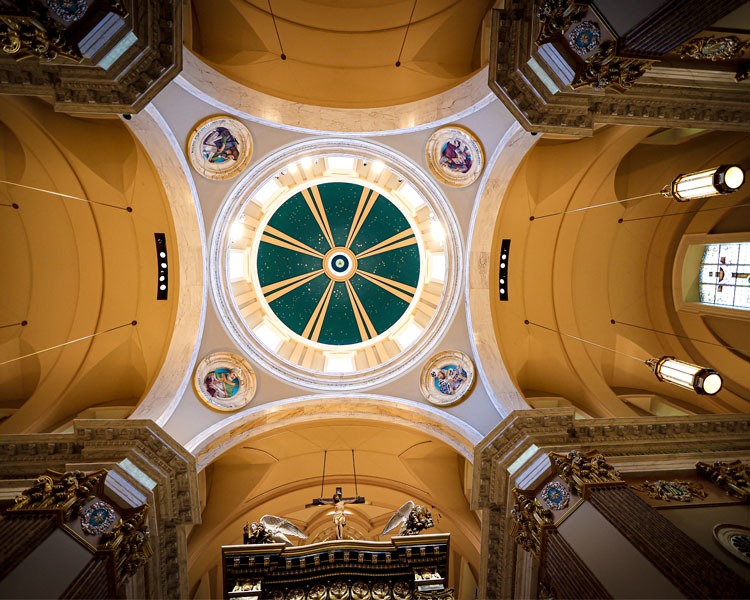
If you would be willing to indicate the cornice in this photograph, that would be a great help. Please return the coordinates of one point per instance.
(151, 450)
(665, 97)
(556, 430)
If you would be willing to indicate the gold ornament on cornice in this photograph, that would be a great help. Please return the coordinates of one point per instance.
(129, 539)
(24, 36)
(604, 69)
(714, 48)
(682, 491)
(530, 519)
(555, 17)
(446, 594)
(64, 492)
(582, 471)
(732, 477)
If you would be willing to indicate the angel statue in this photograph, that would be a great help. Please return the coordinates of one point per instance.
(412, 518)
(271, 530)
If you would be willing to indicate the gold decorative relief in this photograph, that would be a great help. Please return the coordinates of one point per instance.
(581, 470)
(714, 48)
(530, 519)
(732, 477)
(681, 491)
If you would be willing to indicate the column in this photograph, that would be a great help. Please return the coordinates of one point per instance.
(686, 564)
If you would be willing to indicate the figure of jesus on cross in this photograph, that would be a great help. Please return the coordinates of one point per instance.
(339, 515)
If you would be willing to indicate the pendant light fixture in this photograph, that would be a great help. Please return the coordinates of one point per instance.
(702, 380)
(703, 184)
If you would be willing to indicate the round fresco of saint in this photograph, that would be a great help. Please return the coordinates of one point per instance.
(447, 378)
(220, 147)
(224, 381)
(455, 156)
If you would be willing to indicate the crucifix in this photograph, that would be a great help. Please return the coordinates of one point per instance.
(338, 501)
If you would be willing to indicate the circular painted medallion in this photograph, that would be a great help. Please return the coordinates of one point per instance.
(455, 156)
(97, 518)
(555, 495)
(584, 37)
(220, 147)
(447, 378)
(224, 381)
(338, 264)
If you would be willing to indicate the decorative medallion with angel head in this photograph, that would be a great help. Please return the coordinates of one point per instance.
(447, 378)
(224, 381)
(455, 156)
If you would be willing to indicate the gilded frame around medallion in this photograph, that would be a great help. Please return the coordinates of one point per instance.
(242, 145)
(435, 153)
(228, 371)
(459, 377)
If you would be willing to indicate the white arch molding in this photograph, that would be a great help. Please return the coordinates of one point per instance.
(481, 285)
(235, 323)
(210, 86)
(166, 153)
(228, 433)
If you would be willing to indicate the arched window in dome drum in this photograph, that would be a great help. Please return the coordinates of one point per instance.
(724, 277)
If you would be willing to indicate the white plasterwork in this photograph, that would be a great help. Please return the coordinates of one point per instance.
(169, 161)
(227, 95)
(452, 431)
(479, 293)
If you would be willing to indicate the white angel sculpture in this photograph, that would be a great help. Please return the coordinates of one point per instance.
(272, 529)
(412, 518)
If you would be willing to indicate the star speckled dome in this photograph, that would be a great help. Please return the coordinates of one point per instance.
(338, 263)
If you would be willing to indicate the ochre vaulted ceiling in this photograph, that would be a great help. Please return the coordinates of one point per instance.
(280, 472)
(342, 53)
(72, 269)
(576, 272)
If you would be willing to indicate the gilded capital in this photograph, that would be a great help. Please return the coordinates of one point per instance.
(582, 471)
(530, 519)
(732, 477)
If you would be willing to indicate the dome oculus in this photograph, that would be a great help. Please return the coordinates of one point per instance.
(338, 263)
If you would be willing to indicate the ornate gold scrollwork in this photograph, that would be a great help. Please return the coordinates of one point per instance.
(682, 491)
(605, 69)
(713, 48)
(555, 16)
(67, 492)
(584, 470)
(129, 539)
(732, 477)
(446, 594)
(26, 36)
(530, 519)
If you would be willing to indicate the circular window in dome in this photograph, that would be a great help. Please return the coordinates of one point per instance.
(336, 263)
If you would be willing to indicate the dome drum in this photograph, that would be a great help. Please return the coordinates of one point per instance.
(335, 263)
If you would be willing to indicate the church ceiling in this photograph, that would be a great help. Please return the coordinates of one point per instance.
(364, 271)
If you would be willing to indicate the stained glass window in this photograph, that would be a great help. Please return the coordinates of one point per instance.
(724, 278)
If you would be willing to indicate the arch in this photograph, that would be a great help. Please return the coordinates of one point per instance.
(150, 128)
(479, 290)
(204, 82)
(225, 435)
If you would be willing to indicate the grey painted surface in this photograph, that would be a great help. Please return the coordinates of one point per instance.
(699, 521)
(621, 569)
(48, 570)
